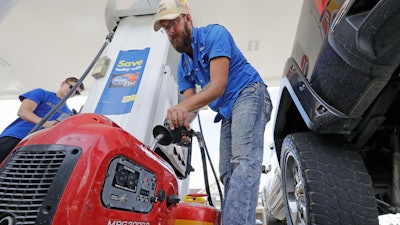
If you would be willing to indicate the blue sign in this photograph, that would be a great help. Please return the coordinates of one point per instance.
(122, 86)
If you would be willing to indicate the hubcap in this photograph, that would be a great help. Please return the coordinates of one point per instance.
(295, 191)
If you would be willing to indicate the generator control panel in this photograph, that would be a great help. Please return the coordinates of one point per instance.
(128, 186)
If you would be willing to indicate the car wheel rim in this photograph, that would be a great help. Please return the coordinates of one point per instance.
(295, 191)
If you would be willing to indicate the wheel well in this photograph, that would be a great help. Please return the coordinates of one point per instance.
(288, 120)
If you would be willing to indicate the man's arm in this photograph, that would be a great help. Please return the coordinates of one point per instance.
(25, 112)
(178, 114)
(218, 79)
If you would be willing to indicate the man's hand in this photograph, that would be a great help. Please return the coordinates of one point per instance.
(50, 123)
(177, 116)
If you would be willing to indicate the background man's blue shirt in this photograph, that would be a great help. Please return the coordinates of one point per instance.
(45, 101)
(210, 42)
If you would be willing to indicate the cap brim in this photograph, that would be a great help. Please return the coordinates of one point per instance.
(170, 16)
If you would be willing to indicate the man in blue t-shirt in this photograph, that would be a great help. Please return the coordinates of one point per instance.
(232, 88)
(35, 104)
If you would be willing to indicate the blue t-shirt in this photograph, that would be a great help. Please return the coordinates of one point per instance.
(210, 42)
(45, 101)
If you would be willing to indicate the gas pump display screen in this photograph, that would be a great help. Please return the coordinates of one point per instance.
(126, 178)
(129, 186)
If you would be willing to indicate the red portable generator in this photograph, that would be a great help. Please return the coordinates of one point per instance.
(88, 170)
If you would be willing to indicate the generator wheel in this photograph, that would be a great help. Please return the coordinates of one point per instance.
(325, 182)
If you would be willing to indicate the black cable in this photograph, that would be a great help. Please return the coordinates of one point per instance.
(78, 83)
(209, 158)
(204, 162)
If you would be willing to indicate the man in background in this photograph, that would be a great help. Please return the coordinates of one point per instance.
(35, 104)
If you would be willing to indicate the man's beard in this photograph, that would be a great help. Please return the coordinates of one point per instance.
(183, 41)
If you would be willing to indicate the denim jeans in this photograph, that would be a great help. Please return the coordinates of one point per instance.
(241, 154)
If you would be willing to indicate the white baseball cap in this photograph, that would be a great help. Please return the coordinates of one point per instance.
(169, 10)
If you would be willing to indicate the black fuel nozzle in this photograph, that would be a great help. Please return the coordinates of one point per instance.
(178, 135)
(163, 135)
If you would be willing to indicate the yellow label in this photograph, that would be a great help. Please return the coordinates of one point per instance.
(129, 98)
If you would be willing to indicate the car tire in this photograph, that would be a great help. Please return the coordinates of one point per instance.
(325, 181)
